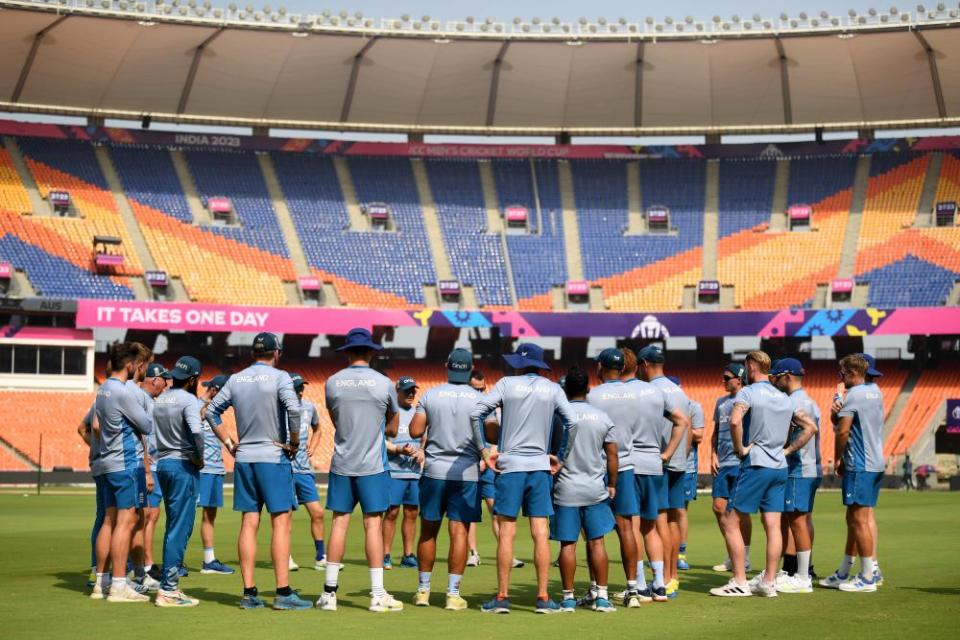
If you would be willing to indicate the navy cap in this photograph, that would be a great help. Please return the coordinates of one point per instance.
(787, 365)
(157, 370)
(651, 353)
(405, 383)
(359, 338)
(266, 342)
(459, 366)
(674, 379)
(186, 367)
(527, 355)
(871, 364)
(216, 382)
(736, 369)
(298, 380)
(611, 358)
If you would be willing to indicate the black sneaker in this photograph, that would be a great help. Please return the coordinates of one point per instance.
(155, 573)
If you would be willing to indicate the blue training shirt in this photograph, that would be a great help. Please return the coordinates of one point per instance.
(726, 454)
(122, 419)
(766, 424)
(404, 467)
(864, 450)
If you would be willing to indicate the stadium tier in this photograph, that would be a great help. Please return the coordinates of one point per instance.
(245, 257)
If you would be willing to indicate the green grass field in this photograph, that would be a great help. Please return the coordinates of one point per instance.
(44, 550)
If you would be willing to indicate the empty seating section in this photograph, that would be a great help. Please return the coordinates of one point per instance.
(928, 397)
(62, 412)
(476, 257)
(814, 180)
(13, 195)
(909, 282)
(948, 187)
(316, 204)
(148, 176)
(745, 194)
(538, 259)
(238, 177)
(893, 195)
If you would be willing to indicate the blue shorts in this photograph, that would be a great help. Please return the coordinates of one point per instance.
(724, 481)
(690, 488)
(458, 499)
(141, 475)
(404, 491)
(799, 494)
(861, 488)
(156, 496)
(305, 488)
(676, 489)
(625, 502)
(371, 492)
(595, 521)
(758, 488)
(210, 489)
(529, 489)
(649, 495)
(256, 484)
(121, 489)
(487, 480)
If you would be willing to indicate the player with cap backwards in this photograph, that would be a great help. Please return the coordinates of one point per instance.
(264, 404)
(803, 478)
(210, 483)
(122, 420)
(304, 484)
(406, 460)
(759, 426)
(690, 478)
(179, 438)
(450, 483)
(583, 490)
(155, 381)
(725, 465)
(858, 449)
(363, 408)
(651, 359)
(523, 464)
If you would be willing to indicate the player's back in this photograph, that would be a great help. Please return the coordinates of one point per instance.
(261, 417)
(526, 422)
(766, 424)
(452, 451)
(580, 480)
(358, 399)
(176, 413)
(805, 463)
(118, 440)
(864, 403)
(675, 400)
(627, 405)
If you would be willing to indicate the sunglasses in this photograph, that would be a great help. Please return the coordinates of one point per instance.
(729, 378)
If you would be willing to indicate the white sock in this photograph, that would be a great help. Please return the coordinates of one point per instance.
(866, 568)
(657, 574)
(333, 574)
(844, 569)
(593, 586)
(568, 594)
(803, 564)
(424, 584)
(746, 555)
(147, 567)
(376, 582)
(602, 592)
(631, 585)
(117, 585)
(102, 580)
(453, 584)
(209, 555)
(641, 576)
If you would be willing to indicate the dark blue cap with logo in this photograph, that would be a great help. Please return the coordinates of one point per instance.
(157, 370)
(736, 369)
(405, 383)
(216, 382)
(651, 353)
(459, 366)
(359, 338)
(266, 342)
(871, 365)
(186, 367)
(298, 380)
(611, 358)
(526, 356)
(787, 365)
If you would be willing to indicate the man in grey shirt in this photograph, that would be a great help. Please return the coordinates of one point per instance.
(264, 404)
(451, 473)
(363, 408)
(405, 459)
(529, 403)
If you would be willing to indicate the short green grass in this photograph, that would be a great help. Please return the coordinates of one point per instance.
(43, 550)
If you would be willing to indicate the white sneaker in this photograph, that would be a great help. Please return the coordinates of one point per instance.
(794, 584)
(859, 585)
(473, 559)
(732, 589)
(727, 565)
(292, 566)
(617, 597)
(176, 599)
(321, 564)
(517, 563)
(757, 579)
(764, 589)
(384, 603)
(834, 581)
(98, 592)
(127, 594)
(327, 601)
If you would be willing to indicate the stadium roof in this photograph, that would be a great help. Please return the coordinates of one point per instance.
(125, 60)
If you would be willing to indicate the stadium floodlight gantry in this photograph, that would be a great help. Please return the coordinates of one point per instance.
(193, 63)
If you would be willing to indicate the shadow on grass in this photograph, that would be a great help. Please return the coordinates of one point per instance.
(939, 591)
(72, 581)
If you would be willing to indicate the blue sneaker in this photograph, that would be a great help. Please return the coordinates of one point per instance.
(292, 602)
(682, 564)
(217, 567)
(547, 606)
(603, 606)
(183, 572)
(568, 605)
(252, 602)
(387, 562)
(410, 561)
(496, 605)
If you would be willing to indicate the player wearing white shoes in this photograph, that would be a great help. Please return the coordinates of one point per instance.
(363, 409)
(725, 465)
(759, 426)
(405, 457)
(450, 482)
(155, 381)
(859, 452)
(689, 479)
(582, 492)
(210, 484)
(88, 430)
(304, 484)
(803, 476)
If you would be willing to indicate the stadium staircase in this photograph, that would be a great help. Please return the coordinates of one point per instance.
(36, 202)
(11, 459)
(711, 220)
(781, 187)
(903, 399)
(441, 263)
(571, 229)
(953, 299)
(931, 182)
(494, 221)
(848, 255)
(358, 221)
(189, 187)
(636, 223)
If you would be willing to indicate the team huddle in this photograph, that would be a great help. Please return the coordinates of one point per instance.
(577, 462)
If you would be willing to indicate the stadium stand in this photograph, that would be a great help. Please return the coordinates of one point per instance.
(746, 194)
(13, 195)
(927, 398)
